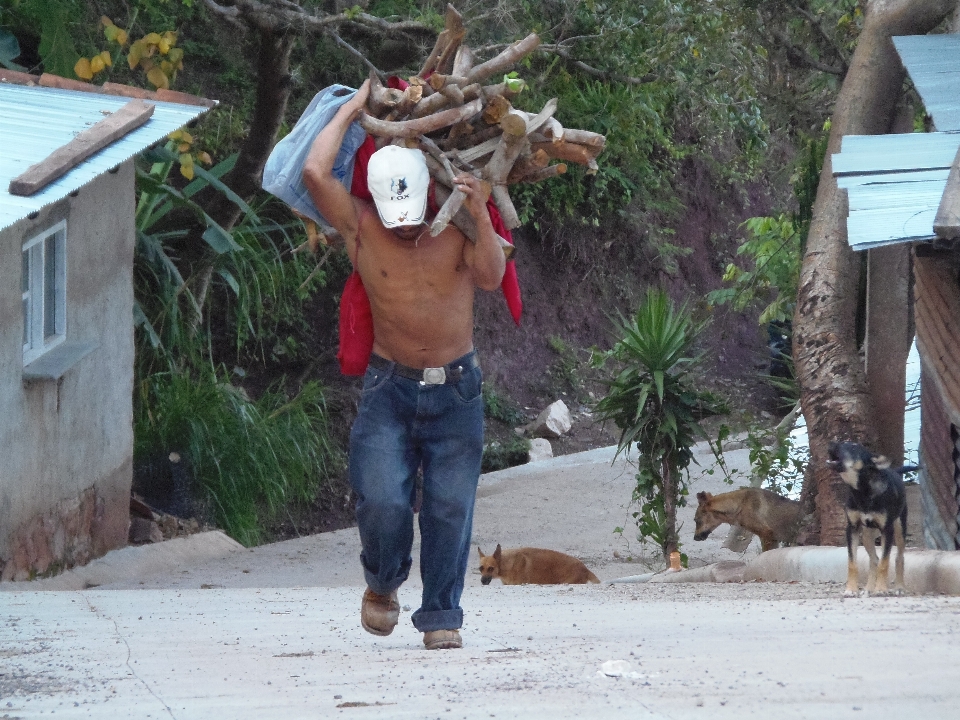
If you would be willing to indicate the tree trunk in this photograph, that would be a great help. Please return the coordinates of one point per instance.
(273, 91)
(834, 395)
(669, 512)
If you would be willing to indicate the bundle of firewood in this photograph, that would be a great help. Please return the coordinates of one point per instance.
(464, 125)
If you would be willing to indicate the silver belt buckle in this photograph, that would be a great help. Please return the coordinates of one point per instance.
(434, 376)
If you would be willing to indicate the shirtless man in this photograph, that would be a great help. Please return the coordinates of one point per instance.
(421, 404)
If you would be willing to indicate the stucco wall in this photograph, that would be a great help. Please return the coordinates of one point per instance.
(66, 445)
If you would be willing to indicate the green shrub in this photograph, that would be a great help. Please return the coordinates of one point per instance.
(249, 458)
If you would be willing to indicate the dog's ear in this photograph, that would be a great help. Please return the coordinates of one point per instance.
(480, 552)
(881, 461)
(703, 496)
(496, 553)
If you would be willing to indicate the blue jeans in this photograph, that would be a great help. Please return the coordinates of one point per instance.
(404, 425)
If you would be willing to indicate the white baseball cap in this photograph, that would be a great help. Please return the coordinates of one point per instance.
(398, 180)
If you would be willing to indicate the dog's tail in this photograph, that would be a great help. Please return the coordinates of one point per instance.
(591, 578)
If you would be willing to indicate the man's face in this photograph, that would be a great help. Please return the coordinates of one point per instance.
(408, 232)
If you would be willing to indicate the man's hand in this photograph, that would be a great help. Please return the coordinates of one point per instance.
(359, 101)
(477, 192)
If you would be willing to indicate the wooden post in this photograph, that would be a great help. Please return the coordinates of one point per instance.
(888, 343)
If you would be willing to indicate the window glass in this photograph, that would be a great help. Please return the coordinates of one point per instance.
(50, 278)
(42, 282)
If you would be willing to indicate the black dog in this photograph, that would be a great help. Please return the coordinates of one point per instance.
(877, 500)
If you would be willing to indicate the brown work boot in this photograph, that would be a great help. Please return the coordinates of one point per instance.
(442, 640)
(379, 613)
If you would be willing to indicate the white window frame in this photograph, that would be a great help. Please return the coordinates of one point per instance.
(44, 291)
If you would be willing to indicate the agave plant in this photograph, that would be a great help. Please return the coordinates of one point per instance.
(652, 401)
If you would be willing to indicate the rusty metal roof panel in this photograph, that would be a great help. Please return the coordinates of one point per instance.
(933, 63)
(35, 121)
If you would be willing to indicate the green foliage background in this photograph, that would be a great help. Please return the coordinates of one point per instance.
(668, 82)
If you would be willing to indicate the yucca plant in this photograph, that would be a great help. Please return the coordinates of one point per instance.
(653, 403)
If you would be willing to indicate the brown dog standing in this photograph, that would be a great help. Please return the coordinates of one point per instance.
(533, 566)
(773, 518)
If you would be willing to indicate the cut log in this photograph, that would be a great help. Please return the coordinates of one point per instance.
(434, 103)
(496, 107)
(441, 58)
(491, 91)
(382, 99)
(546, 173)
(580, 154)
(408, 101)
(472, 154)
(453, 93)
(505, 205)
(511, 144)
(534, 122)
(464, 222)
(505, 60)
(463, 136)
(463, 61)
(438, 80)
(585, 137)
(527, 164)
(419, 126)
(98, 136)
(553, 130)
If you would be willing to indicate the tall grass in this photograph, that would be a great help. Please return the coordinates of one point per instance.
(250, 458)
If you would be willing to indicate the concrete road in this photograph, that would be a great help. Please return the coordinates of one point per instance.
(202, 628)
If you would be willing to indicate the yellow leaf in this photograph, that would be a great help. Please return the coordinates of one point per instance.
(122, 37)
(163, 46)
(82, 69)
(205, 158)
(151, 38)
(183, 147)
(158, 79)
(136, 53)
(176, 135)
(107, 22)
(96, 65)
(166, 67)
(186, 166)
(187, 137)
(110, 32)
(107, 60)
(175, 55)
(171, 37)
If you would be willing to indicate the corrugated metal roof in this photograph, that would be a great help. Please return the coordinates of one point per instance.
(895, 183)
(933, 62)
(35, 121)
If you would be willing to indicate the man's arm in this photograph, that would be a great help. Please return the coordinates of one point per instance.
(485, 258)
(332, 199)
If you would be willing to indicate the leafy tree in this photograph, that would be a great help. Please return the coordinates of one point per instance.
(653, 402)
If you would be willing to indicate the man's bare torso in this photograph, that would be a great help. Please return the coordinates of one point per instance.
(421, 292)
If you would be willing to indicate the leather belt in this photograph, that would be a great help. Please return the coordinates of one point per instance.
(449, 374)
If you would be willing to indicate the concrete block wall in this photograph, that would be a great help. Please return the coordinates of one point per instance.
(66, 445)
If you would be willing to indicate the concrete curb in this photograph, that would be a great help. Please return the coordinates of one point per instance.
(724, 571)
(924, 571)
(138, 561)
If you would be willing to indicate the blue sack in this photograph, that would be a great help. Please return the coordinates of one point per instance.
(283, 173)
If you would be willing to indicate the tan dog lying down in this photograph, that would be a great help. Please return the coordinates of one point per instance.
(773, 518)
(533, 566)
